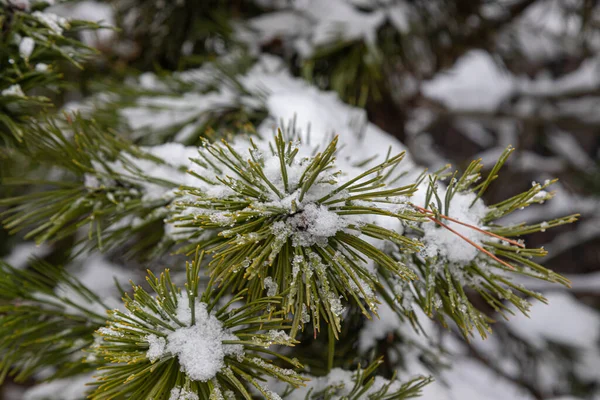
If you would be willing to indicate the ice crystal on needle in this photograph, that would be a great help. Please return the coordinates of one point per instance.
(198, 347)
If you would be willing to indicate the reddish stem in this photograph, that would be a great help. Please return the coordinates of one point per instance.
(471, 242)
(513, 242)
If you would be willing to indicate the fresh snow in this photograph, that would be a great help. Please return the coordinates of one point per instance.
(89, 10)
(279, 24)
(199, 347)
(475, 83)
(583, 78)
(73, 388)
(544, 31)
(22, 252)
(55, 23)
(13, 90)
(173, 170)
(271, 286)
(441, 242)
(565, 320)
(162, 112)
(321, 113)
(99, 274)
(335, 19)
(96, 272)
(468, 379)
(341, 379)
(312, 225)
(26, 47)
(178, 393)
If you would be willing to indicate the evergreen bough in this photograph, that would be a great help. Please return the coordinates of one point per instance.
(296, 234)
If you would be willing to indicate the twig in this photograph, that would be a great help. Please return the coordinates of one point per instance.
(478, 247)
(514, 242)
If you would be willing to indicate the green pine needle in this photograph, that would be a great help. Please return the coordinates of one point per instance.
(264, 226)
(150, 320)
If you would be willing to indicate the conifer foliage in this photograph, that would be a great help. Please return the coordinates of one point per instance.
(274, 223)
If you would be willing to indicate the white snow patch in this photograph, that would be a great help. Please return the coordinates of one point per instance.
(334, 20)
(444, 243)
(271, 286)
(178, 393)
(14, 90)
(475, 82)
(564, 320)
(94, 11)
(26, 47)
(54, 22)
(73, 388)
(22, 252)
(314, 225)
(176, 158)
(199, 347)
(279, 24)
(344, 382)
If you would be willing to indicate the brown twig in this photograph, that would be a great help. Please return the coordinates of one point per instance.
(513, 242)
(478, 247)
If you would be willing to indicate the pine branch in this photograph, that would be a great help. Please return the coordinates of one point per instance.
(47, 320)
(101, 189)
(295, 224)
(185, 341)
(361, 384)
(32, 45)
(446, 285)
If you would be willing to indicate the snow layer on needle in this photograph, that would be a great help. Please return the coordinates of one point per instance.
(176, 157)
(564, 321)
(162, 112)
(22, 252)
(279, 24)
(178, 393)
(337, 19)
(54, 22)
(440, 241)
(341, 379)
(26, 47)
(286, 98)
(312, 225)
(583, 78)
(545, 31)
(13, 90)
(323, 113)
(199, 347)
(475, 82)
(90, 11)
(98, 274)
(312, 24)
(73, 388)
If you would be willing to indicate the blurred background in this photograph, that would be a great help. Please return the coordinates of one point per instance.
(453, 80)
